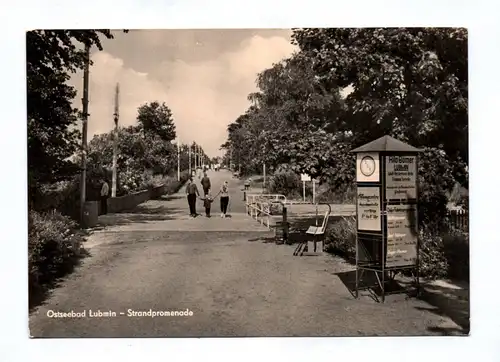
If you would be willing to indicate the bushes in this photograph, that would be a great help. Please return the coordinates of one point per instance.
(285, 182)
(54, 247)
(171, 183)
(445, 256)
(433, 263)
(344, 195)
(456, 251)
(341, 238)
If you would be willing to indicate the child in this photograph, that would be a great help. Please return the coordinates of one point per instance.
(207, 202)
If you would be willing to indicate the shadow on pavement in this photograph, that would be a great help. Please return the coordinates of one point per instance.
(265, 239)
(449, 331)
(145, 209)
(368, 286)
(171, 197)
(138, 215)
(449, 302)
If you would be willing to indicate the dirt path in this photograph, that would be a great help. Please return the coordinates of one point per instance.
(222, 270)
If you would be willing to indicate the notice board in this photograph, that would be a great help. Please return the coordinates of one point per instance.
(368, 204)
(401, 177)
(401, 235)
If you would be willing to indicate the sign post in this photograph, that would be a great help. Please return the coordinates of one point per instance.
(304, 178)
(386, 210)
(314, 191)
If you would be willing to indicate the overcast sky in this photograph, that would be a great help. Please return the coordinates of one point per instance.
(204, 76)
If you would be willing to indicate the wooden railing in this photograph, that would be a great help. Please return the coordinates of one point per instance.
(258, 206)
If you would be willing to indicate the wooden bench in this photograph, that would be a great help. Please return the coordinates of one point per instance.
(317, 233)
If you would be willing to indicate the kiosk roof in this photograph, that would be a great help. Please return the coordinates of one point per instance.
(386, 144)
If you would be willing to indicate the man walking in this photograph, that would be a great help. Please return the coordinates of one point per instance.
(192, 192)
(104, 197)
(205, 183)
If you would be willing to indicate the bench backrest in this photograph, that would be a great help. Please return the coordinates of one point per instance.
(325, 221)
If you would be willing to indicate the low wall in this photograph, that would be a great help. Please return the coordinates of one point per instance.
(128, 202)
(157, 192)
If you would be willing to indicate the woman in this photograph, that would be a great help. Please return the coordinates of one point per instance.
(224, 199)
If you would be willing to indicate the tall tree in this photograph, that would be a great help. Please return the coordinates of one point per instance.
(156, 118)
(51, 56)
(411, 83)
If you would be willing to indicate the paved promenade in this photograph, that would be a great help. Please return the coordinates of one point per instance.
(224, 272)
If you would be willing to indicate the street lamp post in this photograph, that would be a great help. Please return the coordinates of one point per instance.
(115, 141)
(190, 172)
(85, 110)
(178, 160)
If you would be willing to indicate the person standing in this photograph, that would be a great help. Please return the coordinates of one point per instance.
(205, 183)
(192, 192)
(224, 198)
(104, 197)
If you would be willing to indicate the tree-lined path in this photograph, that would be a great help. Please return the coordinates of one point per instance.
(224, 271)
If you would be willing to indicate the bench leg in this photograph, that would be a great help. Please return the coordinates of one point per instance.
(300, 248)
(297, 249)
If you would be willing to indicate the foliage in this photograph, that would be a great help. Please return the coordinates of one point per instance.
(140, 156)
(341, 195)
(172, 185)
(51, 55)
(433, 263)
(407, 82)
(284, 182)
(54, 246)
(341, 238)
(156, 119)
(457, 252)
(435, 177)
(443, 255)
(346, 87)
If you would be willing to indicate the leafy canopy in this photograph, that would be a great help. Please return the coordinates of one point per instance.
(51, 56)
(155, 118)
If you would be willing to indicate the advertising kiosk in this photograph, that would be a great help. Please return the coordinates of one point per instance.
(386, 211)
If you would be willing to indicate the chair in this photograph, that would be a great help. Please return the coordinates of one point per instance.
(317, 233)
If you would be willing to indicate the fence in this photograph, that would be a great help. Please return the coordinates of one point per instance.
(258, 206)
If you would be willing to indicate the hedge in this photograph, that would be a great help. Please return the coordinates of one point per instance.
(444, 255)
(54, 248)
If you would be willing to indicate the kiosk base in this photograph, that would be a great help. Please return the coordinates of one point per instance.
(384, 282)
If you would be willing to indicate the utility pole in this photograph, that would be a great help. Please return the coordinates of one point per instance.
(189, 152)
(195, 150)
(264, 171)
(85, 110)
(178, 160)
(115, 140)
(202, 155)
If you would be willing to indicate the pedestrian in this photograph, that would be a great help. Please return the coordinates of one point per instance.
(224, 199)
(104, 197)
(207, 203)
(192, 192)
(205, 183)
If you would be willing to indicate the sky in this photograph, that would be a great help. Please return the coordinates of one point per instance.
(204, 76)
